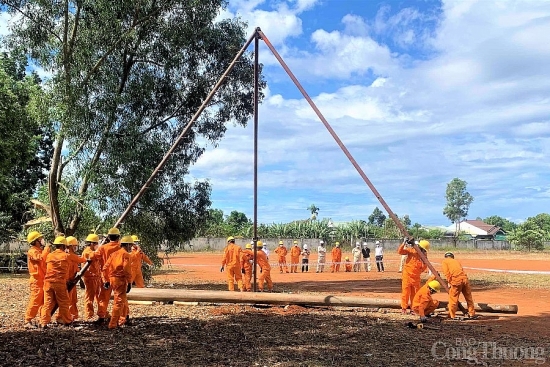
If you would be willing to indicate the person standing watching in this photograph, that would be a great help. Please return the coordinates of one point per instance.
(281, 252)
(321, 256)
(305, 259)
(366, 256)
(295, 252)
(336, 258)
(356, 252)
(379, 256)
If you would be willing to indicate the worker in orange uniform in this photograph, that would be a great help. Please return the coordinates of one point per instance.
(138, 258)
(36, 262)
(247, 259)
(348, 265)
(265, 269)
(458, 283)
(72, 243)
(295, 253)
(117, 275)
(413, 268)
(423, 303)
(92, 277)
(281, 252)
(231, 262)
(55, 284)
(336, 258)
(105, 251)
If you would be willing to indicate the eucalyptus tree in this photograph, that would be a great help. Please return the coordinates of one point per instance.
(458, 203)
(126, 77)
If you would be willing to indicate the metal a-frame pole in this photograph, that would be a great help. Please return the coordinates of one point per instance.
(352, 160)
(256, 95)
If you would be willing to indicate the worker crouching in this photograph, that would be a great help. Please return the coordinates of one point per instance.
(117, 275)
(423, 303)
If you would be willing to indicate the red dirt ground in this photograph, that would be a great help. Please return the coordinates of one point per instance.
(531, 302)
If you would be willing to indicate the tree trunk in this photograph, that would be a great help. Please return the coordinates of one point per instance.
(53, 187)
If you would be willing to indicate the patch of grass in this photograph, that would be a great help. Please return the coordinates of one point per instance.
(524, 281)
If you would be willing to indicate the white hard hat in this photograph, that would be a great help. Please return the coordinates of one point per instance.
(321, 242)
(305, 247)
(357, 244)
(377, 242)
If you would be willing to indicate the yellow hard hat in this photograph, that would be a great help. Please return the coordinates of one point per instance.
(337, 244)
(295, 242)
(281, 243)
(230, 238)
(347, 258)
(72, 241)
(114, 231)
(92, 237)
(424, 244)
(33, 236)
(248, 246)
(434, 284)
(135, 238)
(127, 239)
(259, 244)
(60, 240)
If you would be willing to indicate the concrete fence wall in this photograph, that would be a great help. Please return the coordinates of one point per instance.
(218, 244)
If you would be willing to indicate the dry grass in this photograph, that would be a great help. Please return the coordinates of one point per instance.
(507, 280)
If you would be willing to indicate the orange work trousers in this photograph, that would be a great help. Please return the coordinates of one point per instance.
(120, 302)
(234, 274)
(55, 293)
(409, 287)
(265, 276)
(91, 295)
(335, 267)
(428, 310)
(294, 264)
(247, 279)
(138, 279)
(282, 264)
(104, 297)
(36, 299)
(73, 307)
(455, 291)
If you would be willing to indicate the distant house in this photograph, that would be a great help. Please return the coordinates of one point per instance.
(479, 230)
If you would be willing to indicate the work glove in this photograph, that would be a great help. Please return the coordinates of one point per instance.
(106, 285)
(128, 288)
(221, 269)
(82, 286)
(406, 240)
(242, 270)
(423, 319)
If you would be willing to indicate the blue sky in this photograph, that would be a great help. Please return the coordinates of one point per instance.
(420, 92)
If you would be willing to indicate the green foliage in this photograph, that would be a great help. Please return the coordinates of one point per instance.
(525, 238)
(458, 200)
(25, 142)
(377, 217)
(503, 223)
(127, 76)
(314, 211)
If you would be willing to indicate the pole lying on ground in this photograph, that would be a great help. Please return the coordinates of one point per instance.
(354, 162)
(184, 295)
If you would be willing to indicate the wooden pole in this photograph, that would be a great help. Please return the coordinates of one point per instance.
(184, 295)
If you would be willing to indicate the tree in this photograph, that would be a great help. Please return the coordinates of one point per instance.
(524, 237)
(127, 76)
(406, 220)
(377, 218)
(237, 221)
(503, 223)
(458, 203)
(25, 142)
(314, 211)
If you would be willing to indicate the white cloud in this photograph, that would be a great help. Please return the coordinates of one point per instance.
(477, 109)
